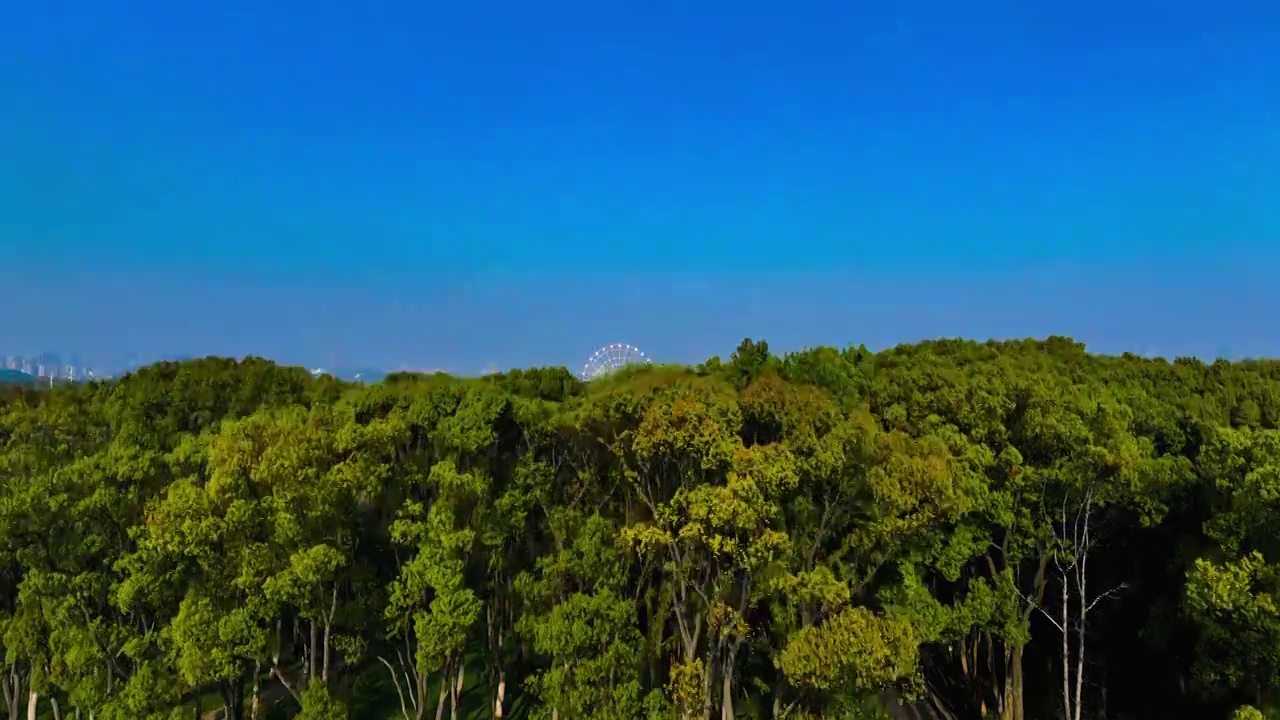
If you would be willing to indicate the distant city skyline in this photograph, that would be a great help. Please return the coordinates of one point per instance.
(51, 364)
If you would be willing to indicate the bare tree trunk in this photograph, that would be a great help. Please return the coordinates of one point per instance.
(328, 630)
(501, 694)
(1081, 578)
(418, 695)
(1015, 681)
(12, 690)
(313, 656)
(706, 689)
(1066, 655)
(57, 709)
(444, 688)
(1000, 690)
(456, 695)
(726, 679)
(1005, 707)
(33, 702)
(255, 700)
(1074, 534)
(726, 695)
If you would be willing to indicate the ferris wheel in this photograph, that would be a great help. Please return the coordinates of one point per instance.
(612, 357)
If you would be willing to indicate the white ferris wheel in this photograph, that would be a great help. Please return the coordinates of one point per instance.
(611, 358)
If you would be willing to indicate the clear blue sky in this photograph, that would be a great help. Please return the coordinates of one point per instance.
(459, 184)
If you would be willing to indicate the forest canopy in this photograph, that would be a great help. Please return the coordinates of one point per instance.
(953, 529)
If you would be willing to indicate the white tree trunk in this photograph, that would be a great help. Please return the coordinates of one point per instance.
(500, 695)
(1083, 602)
(1066, 652)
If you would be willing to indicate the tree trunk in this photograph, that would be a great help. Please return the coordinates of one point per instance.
(1066, 654)
(444, 688)
(1082, 610)
(706, 690)
(255, 701)
(498, 649)
(726, 680)
(233, 700)
(33, 702)
(456, 695)
(57, 709)
(501, 694)
(313, 655)
(418, 695)
(726, 695)
(1001, 692)
(328, 630)
(12, 691)
(1016, 705)
(324, 654)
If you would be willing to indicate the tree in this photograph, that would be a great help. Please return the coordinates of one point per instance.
(581, 618)
(429, 606)
(934, 528)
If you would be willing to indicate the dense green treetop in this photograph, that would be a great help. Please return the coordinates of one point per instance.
(1013, 529)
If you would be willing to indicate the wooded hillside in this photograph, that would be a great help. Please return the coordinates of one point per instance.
(1016, 530)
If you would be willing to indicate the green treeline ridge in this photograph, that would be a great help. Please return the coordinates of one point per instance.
(1019, 530)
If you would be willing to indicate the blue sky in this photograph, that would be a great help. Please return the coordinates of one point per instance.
(454, 184)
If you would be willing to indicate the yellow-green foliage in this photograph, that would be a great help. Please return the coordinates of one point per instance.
(795, 537)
